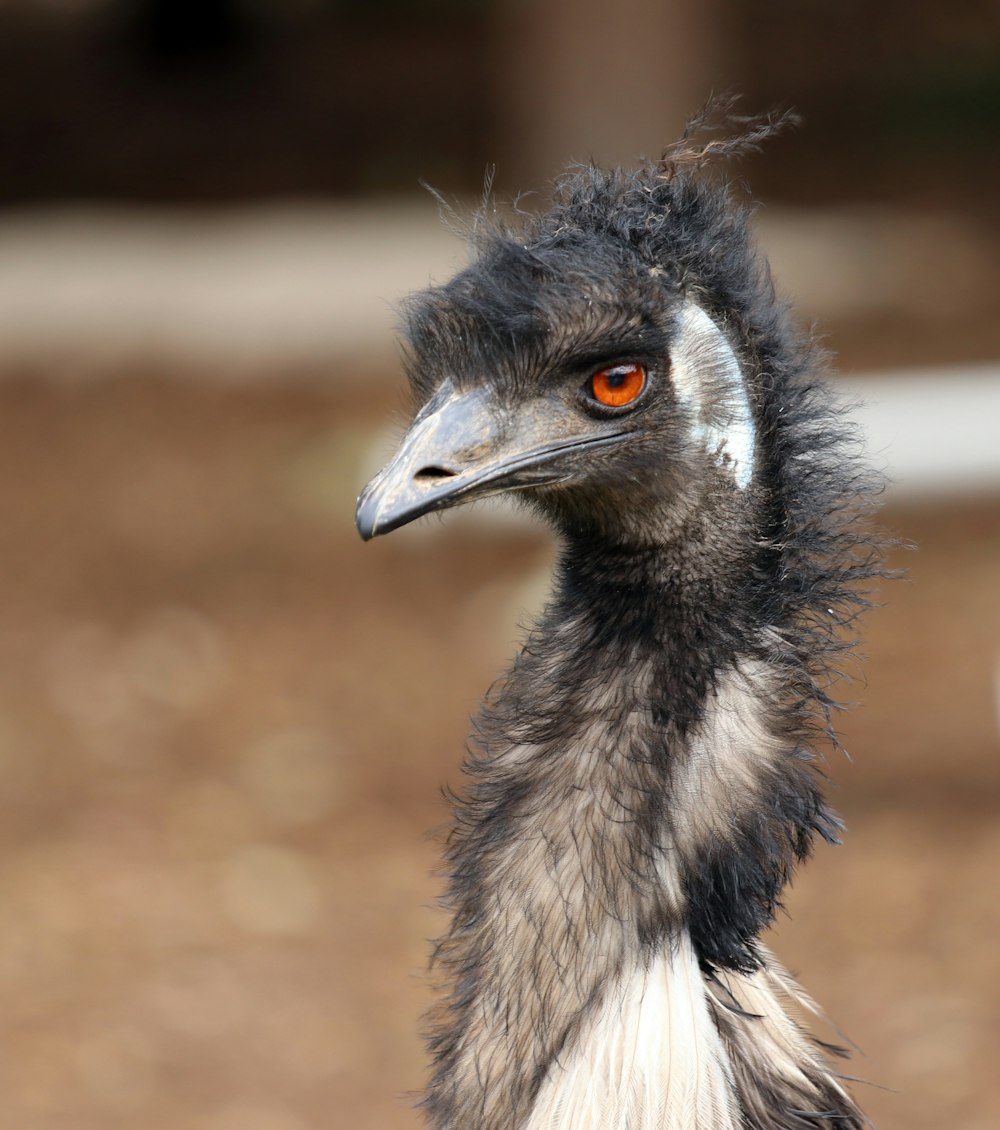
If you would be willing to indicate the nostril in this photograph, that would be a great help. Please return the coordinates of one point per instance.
(426, 473)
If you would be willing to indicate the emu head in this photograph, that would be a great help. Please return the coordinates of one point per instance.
(603, 364)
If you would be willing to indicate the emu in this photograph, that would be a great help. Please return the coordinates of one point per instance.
(644, 780)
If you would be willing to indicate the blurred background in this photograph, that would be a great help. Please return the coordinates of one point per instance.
(225, 723)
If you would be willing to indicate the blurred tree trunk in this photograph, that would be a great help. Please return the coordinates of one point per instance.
(590, 78)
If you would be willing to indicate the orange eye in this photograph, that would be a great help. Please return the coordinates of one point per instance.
(618, 385)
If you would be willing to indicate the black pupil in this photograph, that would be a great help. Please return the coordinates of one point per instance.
(616, 377)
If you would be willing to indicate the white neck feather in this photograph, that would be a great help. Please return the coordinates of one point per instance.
(651, 1058)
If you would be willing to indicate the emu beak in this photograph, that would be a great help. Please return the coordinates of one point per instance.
(462, 445)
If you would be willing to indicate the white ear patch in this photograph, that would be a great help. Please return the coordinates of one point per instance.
(709, 383)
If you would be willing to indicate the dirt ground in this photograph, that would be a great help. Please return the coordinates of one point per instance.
(225, 724)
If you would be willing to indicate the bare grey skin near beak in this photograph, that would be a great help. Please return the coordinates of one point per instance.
(464, 445)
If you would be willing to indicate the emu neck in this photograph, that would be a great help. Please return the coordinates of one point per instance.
(686, 606)
(565, 873)
(634, 810)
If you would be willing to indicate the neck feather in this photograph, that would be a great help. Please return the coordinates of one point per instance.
(636, 805)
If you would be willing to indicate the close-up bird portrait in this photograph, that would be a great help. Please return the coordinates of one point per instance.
(643, 781)
(500, 565)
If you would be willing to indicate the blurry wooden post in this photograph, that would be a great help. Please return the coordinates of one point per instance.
(608, 79)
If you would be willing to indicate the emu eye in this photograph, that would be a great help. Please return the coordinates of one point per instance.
(618, 386)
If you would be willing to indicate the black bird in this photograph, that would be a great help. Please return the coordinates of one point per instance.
(643, 782)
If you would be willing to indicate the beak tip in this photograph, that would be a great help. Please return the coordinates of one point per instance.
(366, 516)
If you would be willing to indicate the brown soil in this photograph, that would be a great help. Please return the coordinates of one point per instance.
(224, 726)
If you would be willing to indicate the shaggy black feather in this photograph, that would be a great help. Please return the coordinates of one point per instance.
(662, 571)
